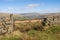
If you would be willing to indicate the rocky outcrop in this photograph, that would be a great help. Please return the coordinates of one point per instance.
(50, 21)
(6, 27)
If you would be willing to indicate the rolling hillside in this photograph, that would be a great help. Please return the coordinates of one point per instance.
(16, 16)
(24, 16)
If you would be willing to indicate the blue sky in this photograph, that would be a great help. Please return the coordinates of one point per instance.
(26, 6)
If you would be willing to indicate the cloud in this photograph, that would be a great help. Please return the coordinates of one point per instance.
(32, 6)
(10, 8)
(13, 10)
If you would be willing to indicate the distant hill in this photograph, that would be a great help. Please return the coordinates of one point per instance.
(32, 15)
(4, 14)
(16, 16)
(38, 15)
(24, 16)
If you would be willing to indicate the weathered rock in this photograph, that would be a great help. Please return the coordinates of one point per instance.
(6, 27)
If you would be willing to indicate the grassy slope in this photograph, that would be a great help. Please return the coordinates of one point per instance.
(53, 33)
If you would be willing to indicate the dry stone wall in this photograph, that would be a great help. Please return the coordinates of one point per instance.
(6, 27)
(51, 20)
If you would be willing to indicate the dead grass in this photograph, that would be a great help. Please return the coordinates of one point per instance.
(26, 31)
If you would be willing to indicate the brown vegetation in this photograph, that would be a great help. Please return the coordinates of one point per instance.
(42, 29)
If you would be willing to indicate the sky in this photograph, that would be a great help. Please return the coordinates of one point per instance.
(28, 6)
